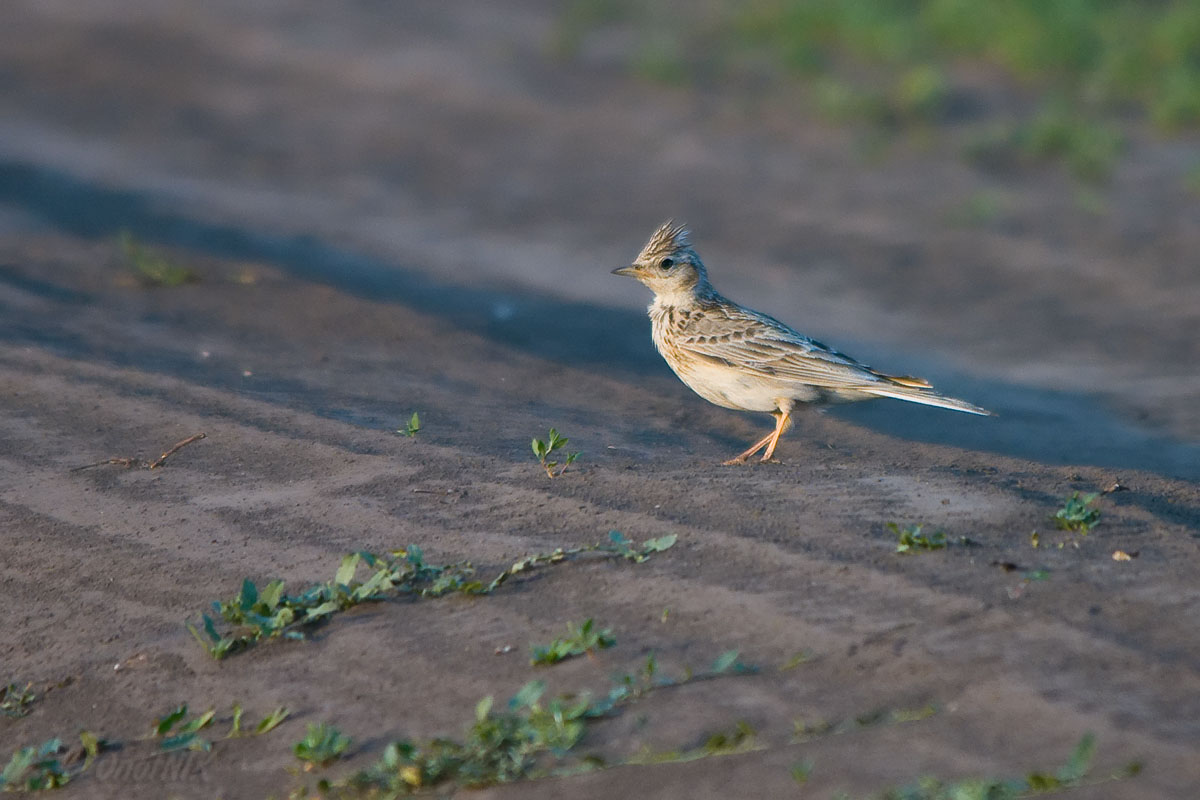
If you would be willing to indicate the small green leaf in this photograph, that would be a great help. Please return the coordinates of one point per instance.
(235, 729)
(349, 566)
(271, 721)
(1075, 515)
(322, 745)
(91, 748)
(527, 695)
(1080, 761)
(579, 640)
(323, 610)
(161, 726)
(15, 700)
(414, 425)
(483, 708)
(248, 596)
(1041, 782)
(271, 594)
(174, 742)
(803, 657)
(659, 544)
(725, 661)
(202, 721)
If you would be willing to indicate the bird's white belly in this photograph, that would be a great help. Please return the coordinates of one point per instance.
(733, 388)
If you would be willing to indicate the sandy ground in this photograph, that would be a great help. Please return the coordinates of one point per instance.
(417, 210)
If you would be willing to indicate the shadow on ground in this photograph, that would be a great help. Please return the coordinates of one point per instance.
(1052, 427)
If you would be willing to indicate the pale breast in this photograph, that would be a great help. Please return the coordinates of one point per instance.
(716, 381)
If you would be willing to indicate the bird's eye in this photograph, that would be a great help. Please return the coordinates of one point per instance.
(666, 263)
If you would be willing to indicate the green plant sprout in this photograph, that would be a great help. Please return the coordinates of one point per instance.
(35, 768)
(15, 700)
(1075, 515)
(414, 425)
(910, 539)
(543, 450)
(174, 733)
(152, 269)
(322, 745)
(579, 640)
(528, 738)
(1070, 775)
(268, 612)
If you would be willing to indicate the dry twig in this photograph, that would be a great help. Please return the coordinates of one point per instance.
(132, 463)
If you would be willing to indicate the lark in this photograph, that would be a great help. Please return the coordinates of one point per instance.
(738, 358)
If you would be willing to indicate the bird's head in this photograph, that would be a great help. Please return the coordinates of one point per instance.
(667, 264)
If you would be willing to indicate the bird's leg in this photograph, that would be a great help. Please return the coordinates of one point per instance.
(783, 421)
(742, 458)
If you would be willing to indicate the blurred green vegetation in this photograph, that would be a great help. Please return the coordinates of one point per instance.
(1086, 64)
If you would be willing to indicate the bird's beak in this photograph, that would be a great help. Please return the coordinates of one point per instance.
(628, 272)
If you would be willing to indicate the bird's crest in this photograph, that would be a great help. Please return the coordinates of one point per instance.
(669, 237)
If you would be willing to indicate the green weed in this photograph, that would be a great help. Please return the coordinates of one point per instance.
(414, 425)
(802, 657)
(918, 95)
(881, 61)
(661, 59)
(15, 700)
(742, 738)
(807, 730)
(543, 450)
(579, 640)
(322, 745)
(256, 614)
(35, 768)
(1071, 775)
(186, 736)
(1076, 515)
(528, 738)
(40, 767)
(271, 721)
(174, 731)
(153, 269)
(1088, 146)
(910, 539)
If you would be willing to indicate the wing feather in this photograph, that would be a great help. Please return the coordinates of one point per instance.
(759, 344)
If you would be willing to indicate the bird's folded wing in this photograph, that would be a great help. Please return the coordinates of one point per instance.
(763, 346)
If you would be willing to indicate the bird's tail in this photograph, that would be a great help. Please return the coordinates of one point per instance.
(916, 390)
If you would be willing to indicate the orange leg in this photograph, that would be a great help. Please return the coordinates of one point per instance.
(742, 458)
(783, 421)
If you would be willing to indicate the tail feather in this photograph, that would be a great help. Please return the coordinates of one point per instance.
(909, 380)
(922, 393)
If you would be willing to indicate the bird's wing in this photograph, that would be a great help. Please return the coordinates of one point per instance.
(759, 344)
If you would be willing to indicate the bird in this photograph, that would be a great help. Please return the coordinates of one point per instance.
(741, 359)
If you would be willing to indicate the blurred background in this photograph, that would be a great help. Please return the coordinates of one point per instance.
(1003, 196)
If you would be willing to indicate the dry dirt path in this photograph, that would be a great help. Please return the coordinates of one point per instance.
(421, 215)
